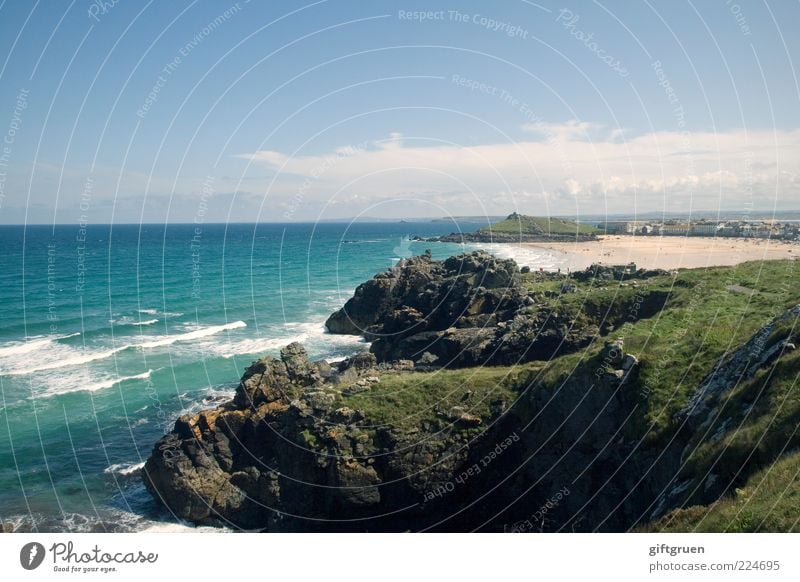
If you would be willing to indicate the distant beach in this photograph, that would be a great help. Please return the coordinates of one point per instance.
(672, 252)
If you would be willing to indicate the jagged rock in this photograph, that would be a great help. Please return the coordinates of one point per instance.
(262, 382)
(613, 352)
(427, 359)
(629, 361)
(298, 366)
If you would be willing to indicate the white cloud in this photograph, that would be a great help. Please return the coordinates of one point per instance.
(577, 163)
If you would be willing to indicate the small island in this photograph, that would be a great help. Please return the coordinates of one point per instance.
(521, 228)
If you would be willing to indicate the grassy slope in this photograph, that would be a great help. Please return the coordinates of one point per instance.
(677, 347)
(768, 502)
(538, 225)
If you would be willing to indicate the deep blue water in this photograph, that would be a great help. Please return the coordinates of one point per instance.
(105, 341)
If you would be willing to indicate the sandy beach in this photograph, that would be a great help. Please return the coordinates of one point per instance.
(673, 252)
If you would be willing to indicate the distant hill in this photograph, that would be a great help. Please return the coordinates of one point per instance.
(516, 224)
(518, 228)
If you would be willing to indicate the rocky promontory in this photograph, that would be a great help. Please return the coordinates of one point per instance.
(471, 310)
(491, 400)
(519, 228)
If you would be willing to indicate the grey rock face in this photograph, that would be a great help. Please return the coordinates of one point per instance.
(468, 310)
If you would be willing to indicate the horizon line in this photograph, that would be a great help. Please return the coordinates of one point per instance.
(388, 219)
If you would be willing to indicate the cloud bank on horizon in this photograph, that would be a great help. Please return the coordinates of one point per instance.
(580, 166)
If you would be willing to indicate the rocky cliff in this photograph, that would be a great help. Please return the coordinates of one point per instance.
(469, 310)
(380, 442)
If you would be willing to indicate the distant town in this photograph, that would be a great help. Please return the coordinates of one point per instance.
(771, 229)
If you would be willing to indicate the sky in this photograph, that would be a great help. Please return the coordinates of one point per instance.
(131, 111)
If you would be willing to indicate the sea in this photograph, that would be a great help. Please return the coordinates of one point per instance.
(109, 333)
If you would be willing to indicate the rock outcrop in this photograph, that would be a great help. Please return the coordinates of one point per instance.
(288, 454)
(468, 310)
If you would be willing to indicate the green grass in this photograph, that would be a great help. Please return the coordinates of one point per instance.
(679, 345)
(768, 502)
(404, 400)
(521, 224)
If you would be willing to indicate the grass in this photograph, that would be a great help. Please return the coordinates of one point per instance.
(676, 346)
(405, 400)
(521, 224)
(768, 502)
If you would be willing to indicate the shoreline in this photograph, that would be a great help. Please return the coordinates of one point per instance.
(656, 252)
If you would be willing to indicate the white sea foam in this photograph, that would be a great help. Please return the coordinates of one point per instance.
(125, 320)
(125, 469)
(254, 345)
(69, 356)
(533, 257)
(168, 527)
(65, 384)
(192, 335)
(162, 313)
(204, 399)
(316, 338)
(77, 358)
(31, 345)
(114, 381)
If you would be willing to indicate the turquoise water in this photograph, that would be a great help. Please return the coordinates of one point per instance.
(108, 334)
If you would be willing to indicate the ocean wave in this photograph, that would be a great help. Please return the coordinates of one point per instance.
(125, 320)
(162, 313)
(125, 469)
(114, 381)
(108, 520)
(76, 357)
(68, 384)
(192, 335)
(316, 338)
(533, 257)
(204, 399)
(65, 362)
(31, 345)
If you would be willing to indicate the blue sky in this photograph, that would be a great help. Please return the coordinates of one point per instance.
(217, 111)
